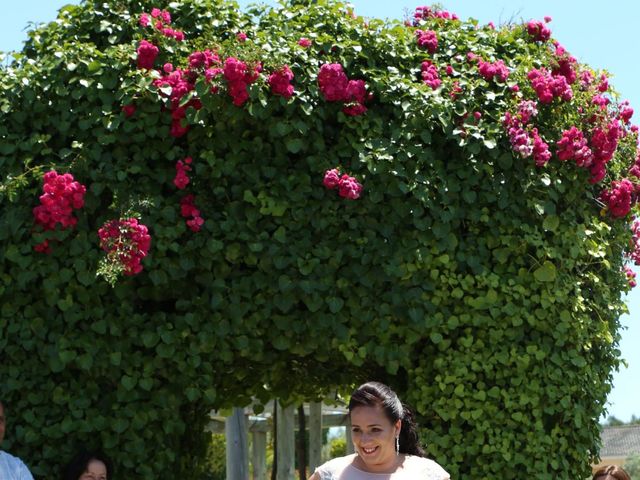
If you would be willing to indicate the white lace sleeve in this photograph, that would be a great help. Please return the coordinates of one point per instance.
(435, 472)
(323, 474)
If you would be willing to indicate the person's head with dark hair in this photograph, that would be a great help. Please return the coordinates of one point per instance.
(382, 427)
(610, 472)
(88, 465)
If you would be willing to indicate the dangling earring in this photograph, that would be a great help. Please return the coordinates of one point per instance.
(397, 446)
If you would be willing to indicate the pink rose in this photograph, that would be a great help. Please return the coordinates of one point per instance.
(333, 82)
(145, 20)
(147, 53)
(129, 110)
(349, 187)
(331, 178)
(280, 82)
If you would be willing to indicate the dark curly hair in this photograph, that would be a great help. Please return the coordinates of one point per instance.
(371, 394)
(78, 465)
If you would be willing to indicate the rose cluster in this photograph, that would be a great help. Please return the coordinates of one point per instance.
(600, 101)
(549, 85)
(626, 112)
(574, 146)
(181, 179)
(429, 74)
(335, 86)
(427, 39)
(239, 76)
(594, 144)
(189, 211)
(538, 31)
(491, 70)
(425, 12)
(43, 247)
(161, 19)
(280, 82)
(631, 276)
(61, 195)
(620, 197)
(604, 142)
(204, 60)
(524, 137)
(126, 242)
(147, 53)
(348, 187)
(566, 64)
(179, 82)
(188, 208)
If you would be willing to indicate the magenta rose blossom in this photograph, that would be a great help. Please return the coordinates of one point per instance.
(541, 153)
(129, 110)
(145, 20)
(349, 187)
(429, 74)
(239, 76)
(573, 146)
(331, 178)
(189, 211)
(333, 82)
(539, 31)
(128, 241)
(619, 197)
(61, 195)
(280, 82)
(181, 179)
(427, 39)
(147, 53)
(489, 70)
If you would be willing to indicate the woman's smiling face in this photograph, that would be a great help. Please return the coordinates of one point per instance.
(374, 437)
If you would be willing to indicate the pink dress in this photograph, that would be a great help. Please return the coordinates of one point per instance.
(413, 468)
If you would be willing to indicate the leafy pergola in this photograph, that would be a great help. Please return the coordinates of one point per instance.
(203, 206)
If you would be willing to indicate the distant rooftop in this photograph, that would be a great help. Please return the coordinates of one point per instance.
(620, 441)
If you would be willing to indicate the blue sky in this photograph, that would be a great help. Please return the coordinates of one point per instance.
(601, 34)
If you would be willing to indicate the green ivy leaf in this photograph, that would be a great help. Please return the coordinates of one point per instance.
(546, 272)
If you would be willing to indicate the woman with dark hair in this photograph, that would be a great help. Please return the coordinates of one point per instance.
(611, 472)
(88, 466)
(385, 439)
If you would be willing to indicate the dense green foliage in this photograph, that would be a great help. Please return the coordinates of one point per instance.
(485, 289)
(216, 458)
(632, 466)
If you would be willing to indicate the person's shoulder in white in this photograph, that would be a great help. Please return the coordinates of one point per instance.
(12, 468)
(336, 465)
(430, 469)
